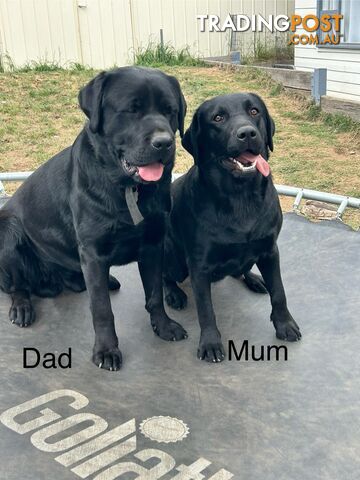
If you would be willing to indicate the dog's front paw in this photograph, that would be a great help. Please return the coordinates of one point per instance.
(211, 348)
(108, 359)
(22, 312)
(286, 329)
(168, 329)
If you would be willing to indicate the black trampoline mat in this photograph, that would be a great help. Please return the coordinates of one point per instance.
(296, 420)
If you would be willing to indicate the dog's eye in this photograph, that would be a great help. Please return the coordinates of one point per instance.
(218, 118)
(168, 110)
(133, 109)
(254, 111)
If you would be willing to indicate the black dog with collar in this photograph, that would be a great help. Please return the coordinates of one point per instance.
(70, 221)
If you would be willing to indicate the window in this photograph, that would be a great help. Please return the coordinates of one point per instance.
(350, 9)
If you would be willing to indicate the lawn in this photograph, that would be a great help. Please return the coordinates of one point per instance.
(39, 115)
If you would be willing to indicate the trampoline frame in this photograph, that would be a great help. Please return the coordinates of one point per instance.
(297, 192)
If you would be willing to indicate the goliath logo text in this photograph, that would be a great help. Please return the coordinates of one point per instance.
(120, 442)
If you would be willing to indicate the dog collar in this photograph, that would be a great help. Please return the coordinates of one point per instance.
(131, 197)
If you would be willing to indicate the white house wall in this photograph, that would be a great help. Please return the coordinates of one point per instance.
(102, 33)
(33, 30)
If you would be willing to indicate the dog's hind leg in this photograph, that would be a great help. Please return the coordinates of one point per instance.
(114, 283)
(75, 282)
(175, 270)
(254, 282)
(13, 277)
(21, 312)
(174, 296)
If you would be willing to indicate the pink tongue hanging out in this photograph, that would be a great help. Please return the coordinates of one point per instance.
(261, 164)
(152, 172)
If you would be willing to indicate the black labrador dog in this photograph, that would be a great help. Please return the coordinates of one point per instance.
(226, 215)
(101, 202)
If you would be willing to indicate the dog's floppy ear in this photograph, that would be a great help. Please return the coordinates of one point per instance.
(182, 104)
(270, 131)
(190, 139)
(270, 124)
(90, 99)
(182, 114)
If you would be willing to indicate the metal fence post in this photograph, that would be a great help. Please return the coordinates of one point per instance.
(235, 58)
(161, 37)
(318, 84)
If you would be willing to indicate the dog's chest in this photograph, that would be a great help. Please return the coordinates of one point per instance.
(119, 244)
(233, 259)
(118, 237)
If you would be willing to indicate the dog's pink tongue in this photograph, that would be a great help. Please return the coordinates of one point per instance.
(261, 164)
(151, 173)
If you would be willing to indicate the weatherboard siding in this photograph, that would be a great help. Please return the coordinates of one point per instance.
(343, 65)
(102, 33)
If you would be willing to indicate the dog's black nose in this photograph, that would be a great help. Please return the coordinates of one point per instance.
(162, 141)
(246, 133)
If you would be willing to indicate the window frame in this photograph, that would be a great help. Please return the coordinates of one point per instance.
(340, 46)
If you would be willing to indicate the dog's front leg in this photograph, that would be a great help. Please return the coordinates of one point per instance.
(150, 263)
(285, 326)
(106, 353)
(210, 348)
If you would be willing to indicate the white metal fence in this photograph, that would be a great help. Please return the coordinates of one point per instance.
(104, 33)
(299, 193)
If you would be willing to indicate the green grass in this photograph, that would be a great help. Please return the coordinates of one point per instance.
(39, 116)
(157, 54)
(41, 65)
